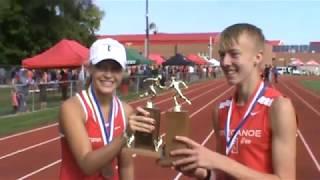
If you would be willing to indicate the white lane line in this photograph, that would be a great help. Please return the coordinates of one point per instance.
(27, 132)
(201, 94)
(300, 134)
(305, 90)
(39, 170)
(55, 124)
(29, 147)
(212, 101)
(300, 98)
(208, 137)
(51, 140)
(314, 159)
(166, 99)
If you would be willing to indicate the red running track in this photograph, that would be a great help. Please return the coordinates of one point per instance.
(36, 154)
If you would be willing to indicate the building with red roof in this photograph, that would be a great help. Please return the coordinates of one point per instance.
(169, 44)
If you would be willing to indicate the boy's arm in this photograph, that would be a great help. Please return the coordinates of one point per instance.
(284, 129)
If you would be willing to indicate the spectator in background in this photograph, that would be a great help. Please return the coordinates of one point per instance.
(270, 72)
(53, 75)
(30, 75)
(69, 74)
(2, 76)
(81, 79)
(14, 100)
(140, 69)
(64, 84)
(191, 71)
(275, 74)
(266, 73)
(163, 74)
(124, 87)
(13, 75)
(215, 69)
(43, 83)
(22, 83)
(154, 70)
(147, 71)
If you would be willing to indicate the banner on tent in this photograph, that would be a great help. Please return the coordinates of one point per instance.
(131, 62)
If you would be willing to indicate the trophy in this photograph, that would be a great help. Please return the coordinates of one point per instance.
(177, 123)
(148, 144)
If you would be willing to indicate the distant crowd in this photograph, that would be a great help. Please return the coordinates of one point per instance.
(23, 81)
(270, 73)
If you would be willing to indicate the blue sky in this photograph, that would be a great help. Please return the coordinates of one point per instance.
(292, 21)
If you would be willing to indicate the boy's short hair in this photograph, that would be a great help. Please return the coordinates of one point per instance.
(231, 35)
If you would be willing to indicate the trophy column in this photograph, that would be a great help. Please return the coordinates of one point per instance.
(148, 144)
(177, 124)
(148, 141)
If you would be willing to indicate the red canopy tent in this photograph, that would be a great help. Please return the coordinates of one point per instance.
(65, 54)
(156, 58)
(196, 59)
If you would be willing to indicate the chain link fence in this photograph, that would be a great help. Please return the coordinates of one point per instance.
(34, 96)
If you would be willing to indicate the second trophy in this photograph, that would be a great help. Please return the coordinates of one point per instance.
(177, 122)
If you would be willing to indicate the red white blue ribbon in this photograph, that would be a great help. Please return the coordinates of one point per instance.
(106, 127)
(231, 139)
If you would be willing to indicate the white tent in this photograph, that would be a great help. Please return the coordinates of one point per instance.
(312, 63)
(214, 62)
(296, 62)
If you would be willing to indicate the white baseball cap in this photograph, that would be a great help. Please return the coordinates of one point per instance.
(107, 49)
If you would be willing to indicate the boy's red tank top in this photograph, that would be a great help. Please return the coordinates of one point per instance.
(69, 169)
(253, 144)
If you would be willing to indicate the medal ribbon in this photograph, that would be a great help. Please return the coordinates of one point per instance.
(231, 140)
(106, 127)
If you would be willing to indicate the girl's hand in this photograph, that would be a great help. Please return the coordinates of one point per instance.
(141, 121)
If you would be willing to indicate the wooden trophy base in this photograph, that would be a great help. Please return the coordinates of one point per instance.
(177, 124)
(144, 152)
(144, 142)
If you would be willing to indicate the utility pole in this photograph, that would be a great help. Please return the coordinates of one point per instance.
(146, 48)
(210, 47)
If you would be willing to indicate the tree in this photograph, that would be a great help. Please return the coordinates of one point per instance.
(30, 27)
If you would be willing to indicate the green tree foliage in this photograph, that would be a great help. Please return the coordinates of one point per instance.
(28, 27)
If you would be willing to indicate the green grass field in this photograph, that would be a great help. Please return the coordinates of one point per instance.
(5, 101)
(21, 122)
(25, 121)
(313, 85)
